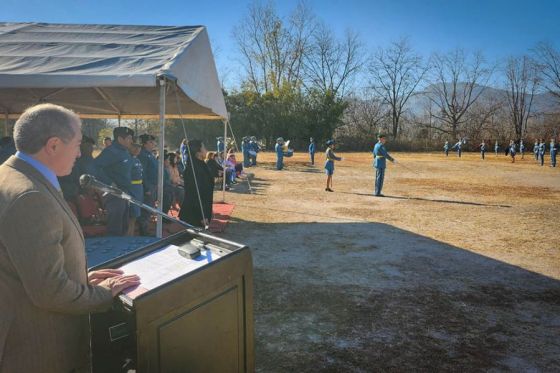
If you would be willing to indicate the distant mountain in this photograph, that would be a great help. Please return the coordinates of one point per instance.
(544, 103)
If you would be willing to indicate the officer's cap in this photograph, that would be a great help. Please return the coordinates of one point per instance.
(330, 142)
(122, 132)
(280, 139)
(144, 138)
(381, 136)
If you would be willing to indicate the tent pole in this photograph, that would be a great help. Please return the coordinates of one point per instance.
(224, 158)
(159, 227)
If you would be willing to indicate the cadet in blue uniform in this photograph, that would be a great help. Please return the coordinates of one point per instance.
(253, 150)
(522, 148)
(536, 150)
(245, 151)
(446, 148)
(542, 151)
(496, 148)
(136, 187)
(149, 178)
(113, 166)
(278, 148)
(220, 145)
(458, 146)
(379, 162)
(329, 164)
(312, 150)
(512, 150)
(553, 151)
(482, 149)
(184, 152)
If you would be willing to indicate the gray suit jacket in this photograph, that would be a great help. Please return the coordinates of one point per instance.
(45, 298)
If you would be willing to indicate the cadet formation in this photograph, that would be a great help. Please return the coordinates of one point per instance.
(130, 162)
(540, 150)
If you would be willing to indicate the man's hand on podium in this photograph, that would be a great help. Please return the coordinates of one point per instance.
(113, 279)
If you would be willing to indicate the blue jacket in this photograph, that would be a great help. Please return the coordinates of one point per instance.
(114, 166)
(150, 170)
(312, 147)
(379, 154)
(279, 151)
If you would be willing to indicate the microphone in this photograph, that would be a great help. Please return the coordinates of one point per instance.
(89, 181)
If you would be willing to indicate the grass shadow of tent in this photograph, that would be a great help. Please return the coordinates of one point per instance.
(363, 296)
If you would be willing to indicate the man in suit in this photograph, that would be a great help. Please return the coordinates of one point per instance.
(379, 162)
(46, 293)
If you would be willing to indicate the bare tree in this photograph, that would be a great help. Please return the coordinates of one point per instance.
(331, 64)
(549, 60)
(457, 83)
(271, 48)
(396, 72)
(522, 80)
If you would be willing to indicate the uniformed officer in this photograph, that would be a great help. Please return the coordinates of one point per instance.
(136, 187)
(553, 151)
(312, 150)
(496, 148)
(536, 150)
(542, 151)
(482, 149)
(446, 148)
(278, 148)
(522, 148)
(254, 149)
(329, 164)
(149, 178)
(379, 162)
(245, 151)
(220, 145)
(113, 166)
(458, 146)
(512, 150)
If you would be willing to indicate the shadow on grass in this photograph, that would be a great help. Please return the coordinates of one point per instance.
(431, 200)
(372, 297)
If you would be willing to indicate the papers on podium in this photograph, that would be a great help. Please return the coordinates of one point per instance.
(160, 267)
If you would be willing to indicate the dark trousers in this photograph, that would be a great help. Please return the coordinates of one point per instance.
(379, 176)
(482, 154)
(145, 215)
(541, 157)
(117, 216)
(553, 159)
(312, 156)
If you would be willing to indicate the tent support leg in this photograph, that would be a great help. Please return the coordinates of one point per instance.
(224, 172)
(6, 123)
(159, 227)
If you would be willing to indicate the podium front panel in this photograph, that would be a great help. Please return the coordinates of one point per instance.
(199, 322)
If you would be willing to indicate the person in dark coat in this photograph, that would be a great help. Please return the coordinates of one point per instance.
(191, 210)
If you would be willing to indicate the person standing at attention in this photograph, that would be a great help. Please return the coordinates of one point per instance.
(312, 150)
(379, 162)
(45, 290)
(329, 164)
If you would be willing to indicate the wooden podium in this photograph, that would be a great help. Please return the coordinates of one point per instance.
(188, 315)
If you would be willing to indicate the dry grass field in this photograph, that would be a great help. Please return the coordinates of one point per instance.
(456, 269)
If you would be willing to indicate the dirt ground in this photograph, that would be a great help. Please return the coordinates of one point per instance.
(456, 269)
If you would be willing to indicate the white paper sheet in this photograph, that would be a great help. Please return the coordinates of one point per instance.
(160, 267)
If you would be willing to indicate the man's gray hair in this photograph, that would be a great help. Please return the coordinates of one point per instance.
(40, 123)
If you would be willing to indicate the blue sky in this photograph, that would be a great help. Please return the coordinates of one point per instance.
(499, 28)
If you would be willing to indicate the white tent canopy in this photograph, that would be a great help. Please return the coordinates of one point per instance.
(108, 71)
